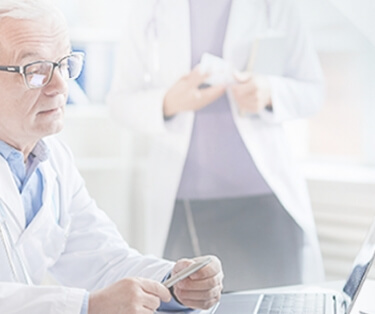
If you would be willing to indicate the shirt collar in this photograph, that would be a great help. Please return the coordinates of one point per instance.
(40, 151)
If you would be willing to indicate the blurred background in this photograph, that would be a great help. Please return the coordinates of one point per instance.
(335, 149)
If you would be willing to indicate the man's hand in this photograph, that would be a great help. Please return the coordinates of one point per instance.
(185, 94)
(252, 93)
(202, 289)
(130, 296)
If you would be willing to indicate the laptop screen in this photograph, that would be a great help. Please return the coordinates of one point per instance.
(361, 266)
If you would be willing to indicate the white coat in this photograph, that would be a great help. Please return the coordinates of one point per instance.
(298, 93)
(70, 238)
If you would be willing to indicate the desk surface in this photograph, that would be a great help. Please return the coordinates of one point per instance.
(364, 304)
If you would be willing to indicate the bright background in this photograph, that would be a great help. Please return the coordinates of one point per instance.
(335, 148)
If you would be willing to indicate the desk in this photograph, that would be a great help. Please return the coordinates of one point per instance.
(365, 302)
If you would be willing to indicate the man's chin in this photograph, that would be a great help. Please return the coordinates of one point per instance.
(52, 129)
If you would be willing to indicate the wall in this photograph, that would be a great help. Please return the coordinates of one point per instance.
(103, 153)
(343, 200)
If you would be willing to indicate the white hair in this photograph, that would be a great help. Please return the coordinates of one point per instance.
(29, 9)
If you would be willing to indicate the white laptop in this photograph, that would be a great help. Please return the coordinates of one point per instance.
(306, 302)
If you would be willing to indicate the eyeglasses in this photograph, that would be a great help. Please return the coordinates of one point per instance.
(39, 73)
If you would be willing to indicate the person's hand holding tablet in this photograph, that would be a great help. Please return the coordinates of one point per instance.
(197, 283)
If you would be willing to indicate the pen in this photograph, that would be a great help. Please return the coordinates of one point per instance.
(214, 308)
(186, 272)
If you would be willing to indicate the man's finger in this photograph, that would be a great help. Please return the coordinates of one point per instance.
(157, 289)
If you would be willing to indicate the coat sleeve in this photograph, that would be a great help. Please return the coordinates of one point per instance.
(299, 93)
(18, 298)
(95, 255)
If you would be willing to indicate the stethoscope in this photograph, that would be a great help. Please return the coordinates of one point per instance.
(19, 273)
(151, 62)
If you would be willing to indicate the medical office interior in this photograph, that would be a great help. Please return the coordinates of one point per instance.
(335, 149)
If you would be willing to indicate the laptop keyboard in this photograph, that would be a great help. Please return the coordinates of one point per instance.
(293, 303)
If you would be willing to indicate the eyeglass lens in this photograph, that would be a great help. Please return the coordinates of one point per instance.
(40, 73)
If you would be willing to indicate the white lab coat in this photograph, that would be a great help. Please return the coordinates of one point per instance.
(70, 238)
(138, 106)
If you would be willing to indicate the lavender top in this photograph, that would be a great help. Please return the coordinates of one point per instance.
(218, 164)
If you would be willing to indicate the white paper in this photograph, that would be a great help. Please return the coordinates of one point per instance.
(221, 71)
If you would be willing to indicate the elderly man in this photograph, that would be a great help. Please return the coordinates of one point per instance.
(48, 222)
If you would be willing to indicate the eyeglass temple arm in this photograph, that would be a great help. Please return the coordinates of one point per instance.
(15, 69)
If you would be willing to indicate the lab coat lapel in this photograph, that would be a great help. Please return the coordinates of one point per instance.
(11, 198)
(50, 205)
(50, 190)
(44, 236)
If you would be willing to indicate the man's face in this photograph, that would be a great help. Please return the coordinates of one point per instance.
(27, 115)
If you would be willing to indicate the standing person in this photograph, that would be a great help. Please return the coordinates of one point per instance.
(221, 177)
(48, 221)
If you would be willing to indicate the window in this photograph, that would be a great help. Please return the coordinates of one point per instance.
(343, 129)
